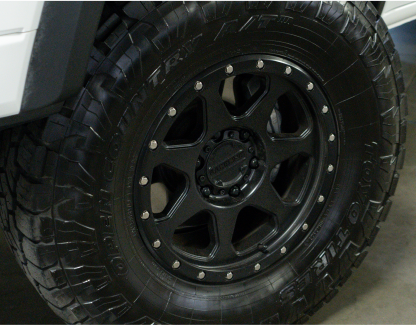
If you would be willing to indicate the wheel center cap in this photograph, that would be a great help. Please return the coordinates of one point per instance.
(227, 163)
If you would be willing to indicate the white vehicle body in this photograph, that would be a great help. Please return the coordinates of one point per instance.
(19, 22)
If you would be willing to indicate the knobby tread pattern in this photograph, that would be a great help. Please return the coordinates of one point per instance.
(30, 154)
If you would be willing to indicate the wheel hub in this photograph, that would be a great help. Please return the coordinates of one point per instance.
(226, 165)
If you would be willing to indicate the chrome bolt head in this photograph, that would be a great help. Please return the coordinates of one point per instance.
(330, 168)
(288, 70)
(153, 144)
(235, 191)
(305, 227)
(176, 264)
(325, 109)
(321, 199)
(331, 137)
(201, 275)
(172, 111)
(145, 215)
(206, 191)
(229, 69)
(254, 163)
(156, 244)
(143, 181)
(257, 267)
(310, 86)
(229, 275)
(260, 64)
(283, 250)
(198, 86)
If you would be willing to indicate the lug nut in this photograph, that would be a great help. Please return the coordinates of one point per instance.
(310, 86)
(325, 109)
(254, 163)
(330, 168)
(207, 149)
(244, 135)
(156, 243)
(198, 86)
(305, 227)
(153, 144)
(321, 199)
(143, 181)
(202, 178)
(331, 137)
(176, 264)
(234, 191)
(283, 250)
(229, 69)
(288, 70)
(257, 267)
(201, 275)
(231, 135)
(229, 275)
(250, 149)
(222, 192)
(206, 191)
(145, 215)
(260, 64)
(172, 111)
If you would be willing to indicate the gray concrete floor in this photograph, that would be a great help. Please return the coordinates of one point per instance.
(381, 291)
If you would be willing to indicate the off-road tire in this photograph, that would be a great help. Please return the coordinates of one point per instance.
(61, 177)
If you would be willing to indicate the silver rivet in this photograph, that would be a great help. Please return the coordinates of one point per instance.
(309, 87)
(145, 215)
(198, 86)
(305, 227)
(143, 181)
(288, 70)
(156, 243)
(153, 144)
(283, 250)
(330, 168)
(257, 267)
(172, 111)
(229, 275)
(321, 198)
(331, 137)
(229, 69)
(260, 64)
(325, 109)
(176, 264)
(201, 275)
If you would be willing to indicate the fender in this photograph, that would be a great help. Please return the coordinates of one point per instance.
(59, 58)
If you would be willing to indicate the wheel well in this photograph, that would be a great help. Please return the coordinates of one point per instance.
(379, 5)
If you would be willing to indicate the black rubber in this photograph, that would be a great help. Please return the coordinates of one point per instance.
(66, 197)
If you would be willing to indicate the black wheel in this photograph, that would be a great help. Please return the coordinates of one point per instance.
(225, 163)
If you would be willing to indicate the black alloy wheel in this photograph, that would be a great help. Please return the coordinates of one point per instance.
(244, 155)
(225, 163)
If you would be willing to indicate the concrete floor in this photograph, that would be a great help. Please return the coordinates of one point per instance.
(381, 291)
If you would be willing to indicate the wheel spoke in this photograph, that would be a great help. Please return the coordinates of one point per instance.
(262, 110)
(218, 117)
(181, 158)
(226, 219)
(282, 148)
(182, 208)
(265, 198)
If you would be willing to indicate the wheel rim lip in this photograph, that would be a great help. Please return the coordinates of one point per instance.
(293, 236)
